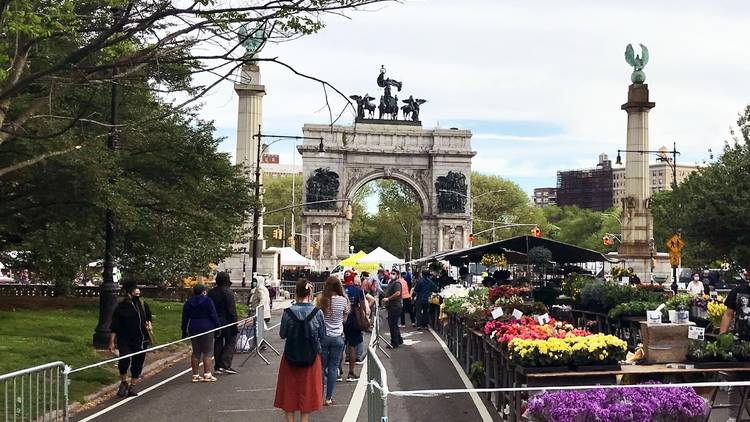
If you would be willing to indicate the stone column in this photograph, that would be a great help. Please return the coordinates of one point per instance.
(249, 120)
(637, 223)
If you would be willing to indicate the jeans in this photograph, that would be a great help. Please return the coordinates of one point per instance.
(359, 351)
(423, 314)
(330, 355)
(408, 307)
(393, 316)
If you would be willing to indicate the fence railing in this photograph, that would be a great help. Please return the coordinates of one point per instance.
(180, 294)
(290, 286)
(35, 394)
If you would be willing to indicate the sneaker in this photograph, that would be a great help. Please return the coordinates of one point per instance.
(219, 370)
(328, 402)
(402, 325)
(352, 377)
(360, 362)
(132, 392)
(196, 378)
(208, 378)
(229, 371)
(122, 390)
(413, 325)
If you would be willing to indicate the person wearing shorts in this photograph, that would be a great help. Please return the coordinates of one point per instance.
(199, 316)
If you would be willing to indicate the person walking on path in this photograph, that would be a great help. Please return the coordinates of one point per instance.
(226, 339)
(260, 296)
(423, 290)
(298, 386)
(199, 316)
(352, 331)
(406, 297)
(335, 307)
(131, 327)
(394, 305)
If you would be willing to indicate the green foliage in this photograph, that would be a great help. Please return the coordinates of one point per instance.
(572, 285)
(634, 308)
(277, 193)
(725, 349)
(42, 333)
(397, 223)
(603, 296)
(679, 302)
(178, 203)
(582, 227)
(545, 294)
(711, 206)
(512, 205)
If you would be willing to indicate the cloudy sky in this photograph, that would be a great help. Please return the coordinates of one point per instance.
(539, 83)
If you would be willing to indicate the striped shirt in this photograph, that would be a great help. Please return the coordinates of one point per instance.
(339, 306)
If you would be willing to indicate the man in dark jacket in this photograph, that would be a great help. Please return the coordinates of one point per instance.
(226, 339)
(422, 292)
(131, 325)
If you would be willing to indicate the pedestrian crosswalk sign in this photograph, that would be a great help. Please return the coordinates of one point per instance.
(675, 243)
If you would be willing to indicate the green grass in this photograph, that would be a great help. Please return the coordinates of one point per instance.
(34, 335)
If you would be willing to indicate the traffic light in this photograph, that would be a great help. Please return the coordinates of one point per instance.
(536, 232)
(290, 241)
(278, 234)
(471, 238)
(607, 240)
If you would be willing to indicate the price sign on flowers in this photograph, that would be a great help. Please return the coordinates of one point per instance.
(696, 333)
(517, 314)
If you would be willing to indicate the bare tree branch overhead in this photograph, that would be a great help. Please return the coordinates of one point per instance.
(52, 50)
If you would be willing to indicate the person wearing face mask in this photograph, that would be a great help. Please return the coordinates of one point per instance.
(131, 332)
(695, 287)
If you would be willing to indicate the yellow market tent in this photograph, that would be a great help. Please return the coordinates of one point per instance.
(353, 262)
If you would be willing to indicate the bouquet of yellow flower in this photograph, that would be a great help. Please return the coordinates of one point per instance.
(716, 311)
(493, 260)
(598, 349)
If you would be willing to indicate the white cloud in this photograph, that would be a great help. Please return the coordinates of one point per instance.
(546, 61)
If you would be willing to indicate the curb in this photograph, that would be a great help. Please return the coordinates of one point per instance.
(151, 369)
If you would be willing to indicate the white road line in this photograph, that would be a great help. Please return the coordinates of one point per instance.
(355, 404)
(123, 401)
(253, 390)
(481, 408)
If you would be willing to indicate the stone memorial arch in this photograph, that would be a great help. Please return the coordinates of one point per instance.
(435, 164)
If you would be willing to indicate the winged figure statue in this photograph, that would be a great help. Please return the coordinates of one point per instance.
(638, 62)
(363, 103)
(252, 42)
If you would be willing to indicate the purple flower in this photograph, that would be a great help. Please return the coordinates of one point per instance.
(618, 405)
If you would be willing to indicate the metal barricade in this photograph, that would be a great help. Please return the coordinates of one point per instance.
(377, 388)
(35, 394)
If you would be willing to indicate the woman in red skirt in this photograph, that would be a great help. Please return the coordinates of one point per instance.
(298, 387)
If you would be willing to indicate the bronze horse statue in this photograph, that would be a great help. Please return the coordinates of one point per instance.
(388, 104)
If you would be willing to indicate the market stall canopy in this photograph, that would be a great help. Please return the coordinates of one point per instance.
(354, 262)
(290, 257)
(516, 248)
(381, 256)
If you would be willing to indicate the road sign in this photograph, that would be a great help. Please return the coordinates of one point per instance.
(675, 243)
(674, 258)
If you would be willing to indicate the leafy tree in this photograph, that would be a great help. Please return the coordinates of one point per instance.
(277, 194)
(179, 204)
(499, 202)
(52, 48)
(711, 205)
(583, 227)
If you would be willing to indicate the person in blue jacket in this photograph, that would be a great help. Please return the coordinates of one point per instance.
(199, 316)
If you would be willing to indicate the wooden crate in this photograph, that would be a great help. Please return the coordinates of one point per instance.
(665, 343)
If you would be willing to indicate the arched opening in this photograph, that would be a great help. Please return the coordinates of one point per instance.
(387, 212)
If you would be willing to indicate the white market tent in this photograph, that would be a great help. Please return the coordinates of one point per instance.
(381, 256)
(290, 258)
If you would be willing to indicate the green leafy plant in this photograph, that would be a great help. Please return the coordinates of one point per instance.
(634, 308)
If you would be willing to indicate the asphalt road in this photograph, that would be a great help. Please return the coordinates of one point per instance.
(248, 396)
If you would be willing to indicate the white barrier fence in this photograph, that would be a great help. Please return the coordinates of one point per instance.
(36, 394)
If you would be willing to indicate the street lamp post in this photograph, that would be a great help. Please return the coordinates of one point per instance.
(257, 212)
(109, 288)
(244, 253)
